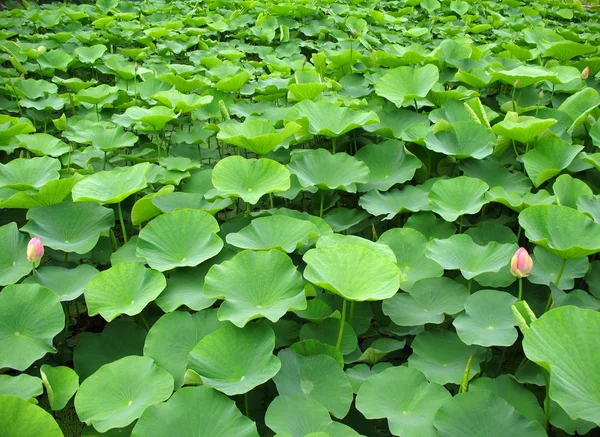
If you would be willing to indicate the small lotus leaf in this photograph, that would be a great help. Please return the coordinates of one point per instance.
(111, 186)
(452, 198)
(405, 84)
(61, 384)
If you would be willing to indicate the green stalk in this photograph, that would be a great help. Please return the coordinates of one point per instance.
(464, 384)
(321, 207)
(246, 404)
(469, 285)
(123, 230)
(271, 200)
(351, 317)
(558, 278)
(333, 143)
(338, 343)
(520, 288)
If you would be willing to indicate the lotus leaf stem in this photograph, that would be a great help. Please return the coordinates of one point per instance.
(338, 343)
(123, 230)
(520, 288)
(556, 282)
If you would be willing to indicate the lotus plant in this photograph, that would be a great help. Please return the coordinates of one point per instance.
(35, 251)
(520, 266)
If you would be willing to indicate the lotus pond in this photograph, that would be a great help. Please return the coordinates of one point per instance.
(299, 218)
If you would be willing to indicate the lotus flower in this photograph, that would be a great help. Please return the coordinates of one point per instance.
(585, 73)
(521, 263)
(35, 250)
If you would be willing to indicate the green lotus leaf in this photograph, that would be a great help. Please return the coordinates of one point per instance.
(403, 85)
(309, 419)
(123, 289)
(23, 386)
(546, 266)
(235, 360)
(452, 198)
(195, 412)
(517, 201)
(89, 55)
(30, 317)
(427, 302)
(409, 247)
(118, 340)
(344, 270)
(466, 139)
(181, 102)
(342, 219)
(478, 413)
(565, 50)
(43, 144)
(111, 186)
(331, 120)
(564, 231)
(550, 342)
(389, 164)
(431, 226)
(174, 335)
(337, 239)
(250, 179)
(12, 126)
(325, 171)
(522, 128)
(410, 198)
(549, 158)
(494, 174)
(13, 255)
(258, 136)
(24, 174)
(23, 419)
(69, 226)
(98, 95)
(316, 377)
(358, 374)
(512, 392)
(108, 139)
(67, 284)
(311, 348)
(461, 252)
(254, 285)
(33, 88)
(327, 332)
(443, 357)
(403, 396)
(55, 59)
(525, 74)
(488, 319)
(61, 384)
(274, 232)
(119, 392)
(185, 237)
(154, 118)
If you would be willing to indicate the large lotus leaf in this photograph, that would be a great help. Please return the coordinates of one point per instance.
(565, 342)
(522, 128)
(119, 392)
(30, 317)
(154, 118)
(69, 226)
(461, 252)
(405, 84)
(258, 136)
(409, 247)
(525, 74)
(98, 95)
(123, 289)
(184, 237)
(235, 360)
(274, 232)
(579, 105)
(410, 198)
(250, 179)
(174, 335)
(325, 171)
(488, 319)
(89, 55)
(43, 144)
(336, 239)
(108, 139)
(389, 164)
(254, 285)
(13, 255)
(181, 102)
(549, 158)
(405, 398)
(331, 120)
(317, 377)
(20, 418)
(195, 412)
(347, 270)
(565, 50)
(546, 267)
(52, 192)
(327, 332)
(564, 231)
(61, 384)
(24, 174)
(67, 284)
(483, 413)
(452, 198)
(427, 302)
(119, 339)
(442, 357)
(23, 386)
(309, 419)
(466, 139)
(111, 186)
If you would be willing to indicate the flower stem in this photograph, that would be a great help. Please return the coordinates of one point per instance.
(342, 321)
(246, 404)
(520, 288)
(322, 200)
(123, 230)
(558, 278)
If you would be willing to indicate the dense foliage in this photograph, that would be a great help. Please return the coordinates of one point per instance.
(299, 218)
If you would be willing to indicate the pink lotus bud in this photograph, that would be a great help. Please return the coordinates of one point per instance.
(521, 263)
(35, 250)
(585, 73)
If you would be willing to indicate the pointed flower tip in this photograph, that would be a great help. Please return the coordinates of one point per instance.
(35, 250)
(521, 263)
